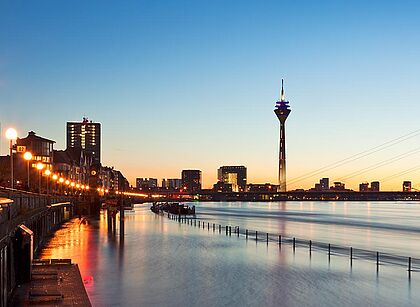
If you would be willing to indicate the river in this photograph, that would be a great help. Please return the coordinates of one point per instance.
(165, 263)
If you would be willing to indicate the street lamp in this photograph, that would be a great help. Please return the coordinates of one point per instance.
(47, 173)
(40, 166)
(28, 157)
(11, 135)
(55, 178)
(61, 180)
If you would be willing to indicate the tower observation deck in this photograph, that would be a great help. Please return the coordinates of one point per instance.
(282, 110)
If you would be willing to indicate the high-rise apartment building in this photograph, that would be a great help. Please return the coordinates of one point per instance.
(85, 135)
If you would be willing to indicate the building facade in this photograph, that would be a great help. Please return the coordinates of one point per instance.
(146, 183)
(236, 176)
(191, 181)
(85, 135)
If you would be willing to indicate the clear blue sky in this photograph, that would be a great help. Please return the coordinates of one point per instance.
(192, 84)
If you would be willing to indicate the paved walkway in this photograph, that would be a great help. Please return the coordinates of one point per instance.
(55, 282)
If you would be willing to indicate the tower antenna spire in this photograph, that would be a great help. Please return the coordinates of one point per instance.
(282, 90)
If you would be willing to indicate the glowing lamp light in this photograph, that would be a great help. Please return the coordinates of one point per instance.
(61, 180)
(87, 187)
(106, 191)
(98, 189)
(77, 186)
(11, 134)
(83, 186)
(40, 166)
(72, 184)
(27, 156)
(47, 172)
(67, 182)
(54, 177)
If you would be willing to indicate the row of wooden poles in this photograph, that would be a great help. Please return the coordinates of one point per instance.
(281, 240)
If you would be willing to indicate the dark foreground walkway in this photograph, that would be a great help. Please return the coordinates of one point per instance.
(55, 282)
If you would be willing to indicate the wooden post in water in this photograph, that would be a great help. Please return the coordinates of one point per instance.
(238, 231)
(246, 234)
(377, 261)
(230, 230)
(351, 256)
(310, 247)
(409, 266)
(280, 240)
(256, 235)
(329, 251)
(294, 243)
(267, 238)
(220, 228)
(208, 226)
(214, 227)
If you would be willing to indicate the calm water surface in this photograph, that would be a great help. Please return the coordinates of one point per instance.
(163, 263)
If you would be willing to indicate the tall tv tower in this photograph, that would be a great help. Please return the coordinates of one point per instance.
(282, 111)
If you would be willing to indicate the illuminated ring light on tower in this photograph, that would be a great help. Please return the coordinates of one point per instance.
(282, 110)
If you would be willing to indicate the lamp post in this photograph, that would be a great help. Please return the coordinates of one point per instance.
(47, 173)
(40, 166)
(55, 178)
(28, 157)
(61, 180)
(11, 135)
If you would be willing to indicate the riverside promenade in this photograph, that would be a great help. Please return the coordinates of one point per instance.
(55, 282)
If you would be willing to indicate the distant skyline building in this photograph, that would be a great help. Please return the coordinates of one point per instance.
(406, 186)
(375, 186)
(85, 135)
(233, 175)
(191, 180)
(364, 187)
(146, 183)
(325, 184)
(172, 184)
(282, 110)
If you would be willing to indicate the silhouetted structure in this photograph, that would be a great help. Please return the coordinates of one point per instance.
(282, 111)
(233, 175)
(407, 186)
(85, 135)
(191, 181)
(374, 186)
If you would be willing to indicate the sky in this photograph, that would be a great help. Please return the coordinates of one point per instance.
(193, 84)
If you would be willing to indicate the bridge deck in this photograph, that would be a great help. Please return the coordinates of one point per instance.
(54, 283)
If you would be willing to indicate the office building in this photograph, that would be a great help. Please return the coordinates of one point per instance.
(233, 175)
(85, 135)
(191, 181)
